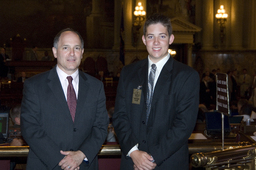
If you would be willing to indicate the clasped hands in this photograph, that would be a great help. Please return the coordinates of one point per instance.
(72, 160)
(142, 160)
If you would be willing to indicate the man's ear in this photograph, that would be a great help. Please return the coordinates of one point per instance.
(171, 39)
(54, 51)
(143, 39)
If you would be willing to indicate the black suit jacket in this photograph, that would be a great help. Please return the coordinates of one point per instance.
(47, 126)
(172, 118)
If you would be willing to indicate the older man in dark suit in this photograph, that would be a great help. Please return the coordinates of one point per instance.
(156, 105)
(63, 115)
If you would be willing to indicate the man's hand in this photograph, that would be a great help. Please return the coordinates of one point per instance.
(142, 160)
(72, 160)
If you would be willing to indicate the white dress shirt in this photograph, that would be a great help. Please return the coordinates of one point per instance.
(64, 81)
(159, 66)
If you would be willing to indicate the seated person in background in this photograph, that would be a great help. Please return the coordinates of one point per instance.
(46, 57)
(233, 108)
(245, 108)
(111, 133)
(15, 138)
(205, 91)
(201, 113)
(100, 75)
(22, 78)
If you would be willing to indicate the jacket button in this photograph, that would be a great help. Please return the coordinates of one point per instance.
(74, 129)
(143, 122)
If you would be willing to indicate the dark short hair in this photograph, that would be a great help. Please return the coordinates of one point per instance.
(158, 18)
(57, 37)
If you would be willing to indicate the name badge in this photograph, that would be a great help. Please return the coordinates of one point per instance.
(136, 96)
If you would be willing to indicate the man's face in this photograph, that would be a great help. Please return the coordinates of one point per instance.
(69, 52)
(157, 41)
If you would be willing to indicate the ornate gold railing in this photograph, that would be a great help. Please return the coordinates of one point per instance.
(22, 151)
(239, 157)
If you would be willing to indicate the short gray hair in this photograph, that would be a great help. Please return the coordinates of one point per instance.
(57, 37)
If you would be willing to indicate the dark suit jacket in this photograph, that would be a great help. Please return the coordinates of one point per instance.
(172, 119)
(47, 125)
(20, 79)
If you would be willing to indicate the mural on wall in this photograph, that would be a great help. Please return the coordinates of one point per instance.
(173, 8)
(38, 21)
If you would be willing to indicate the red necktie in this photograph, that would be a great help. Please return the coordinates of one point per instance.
(71, 98)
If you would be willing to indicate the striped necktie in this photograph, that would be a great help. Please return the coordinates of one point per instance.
(151, 79)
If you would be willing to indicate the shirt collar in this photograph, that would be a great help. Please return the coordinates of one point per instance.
(160, 64)
(63, 76)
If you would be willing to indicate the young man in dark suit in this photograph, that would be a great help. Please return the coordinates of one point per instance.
(64, 122)
(156, 106)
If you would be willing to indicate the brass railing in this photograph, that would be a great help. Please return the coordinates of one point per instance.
(22, 151)
(239, 157)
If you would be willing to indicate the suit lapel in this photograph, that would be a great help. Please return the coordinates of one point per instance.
(82, 93)
(55, 86)
(164, 80)
(143, 79)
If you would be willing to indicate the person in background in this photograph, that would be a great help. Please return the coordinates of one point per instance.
(3, 67)
(156, 104)
(33, 54)
(245, 108)
(63, 113)
(230, 84)
(234, 85)
(245, 81)
(205, 91)
(46, 57)
(22, 78)
(15, 136)
(111, 133)
(253, 96)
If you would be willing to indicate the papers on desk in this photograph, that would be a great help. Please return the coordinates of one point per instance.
(197, 136)
(253, 137)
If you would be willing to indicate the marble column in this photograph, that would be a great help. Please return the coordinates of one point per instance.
(93, 25)
(250, 25)
(117, 24)
(128, 12)
(189, 55)
(236, 18)
(253, 26)
(140, 43)
(96, 10)
(207, 23)
(198, 20)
